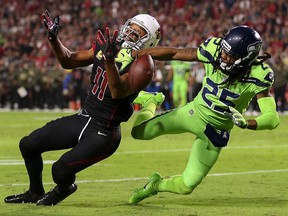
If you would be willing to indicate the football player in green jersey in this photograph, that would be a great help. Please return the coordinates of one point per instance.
(235, 73)
(179, 74)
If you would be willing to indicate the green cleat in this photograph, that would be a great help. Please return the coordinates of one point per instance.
(144, 97)
(146, 191)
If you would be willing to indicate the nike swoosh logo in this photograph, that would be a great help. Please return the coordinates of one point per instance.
(102, 134)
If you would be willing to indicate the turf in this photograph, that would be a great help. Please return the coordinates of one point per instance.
(250, 177)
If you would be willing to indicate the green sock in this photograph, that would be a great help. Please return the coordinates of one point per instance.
(174, 185)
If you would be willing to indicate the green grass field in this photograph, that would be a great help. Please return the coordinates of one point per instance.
(250, 177)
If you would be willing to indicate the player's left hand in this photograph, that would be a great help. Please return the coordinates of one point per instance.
(111, 45)
(236, 117)
(51, 27)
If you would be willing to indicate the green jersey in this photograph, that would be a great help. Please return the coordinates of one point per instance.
(180, 69)
(213, 98)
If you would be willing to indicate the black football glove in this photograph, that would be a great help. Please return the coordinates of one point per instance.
(51, 27)
(111, 45)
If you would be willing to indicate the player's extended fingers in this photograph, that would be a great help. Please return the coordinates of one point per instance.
(107, 34)
(57, 20)
(45, 23)
(100, 38)
(115, 34)
(233, 110)
(44, 17)
(99, 41)
(238, 116)
(47, 18)
(47, 14)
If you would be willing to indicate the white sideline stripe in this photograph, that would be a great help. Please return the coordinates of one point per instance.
(145, 178)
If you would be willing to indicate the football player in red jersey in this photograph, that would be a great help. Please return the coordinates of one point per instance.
(93, 133)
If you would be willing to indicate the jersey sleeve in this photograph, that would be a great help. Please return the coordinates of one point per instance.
(262, 76)
(208, 52)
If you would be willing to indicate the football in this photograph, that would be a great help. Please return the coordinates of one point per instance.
(141, 72)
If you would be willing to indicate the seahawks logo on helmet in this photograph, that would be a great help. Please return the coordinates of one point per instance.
(255, 47)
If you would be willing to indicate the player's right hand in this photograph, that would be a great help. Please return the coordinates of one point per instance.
(51, 27)
(110, 44)
(236, 117)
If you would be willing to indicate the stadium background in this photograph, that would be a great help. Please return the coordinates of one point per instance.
(250, 178)
(31, 77)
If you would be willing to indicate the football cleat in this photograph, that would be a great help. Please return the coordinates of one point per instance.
(54, 196)
(144, 97)
(146, 191)
(26, 197)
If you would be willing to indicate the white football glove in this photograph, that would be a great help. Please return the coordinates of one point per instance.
(236, 117)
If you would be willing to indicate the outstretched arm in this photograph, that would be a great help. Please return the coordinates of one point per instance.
(66, 58)
(169, 53)
(269, 118)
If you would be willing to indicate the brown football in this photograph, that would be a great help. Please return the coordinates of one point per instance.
(141, 72)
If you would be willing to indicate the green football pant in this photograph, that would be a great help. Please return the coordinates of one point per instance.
(203, 153)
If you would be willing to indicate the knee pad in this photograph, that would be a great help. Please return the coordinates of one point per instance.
(62, 174)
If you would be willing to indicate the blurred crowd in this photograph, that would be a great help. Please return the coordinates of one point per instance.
(31, 77)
